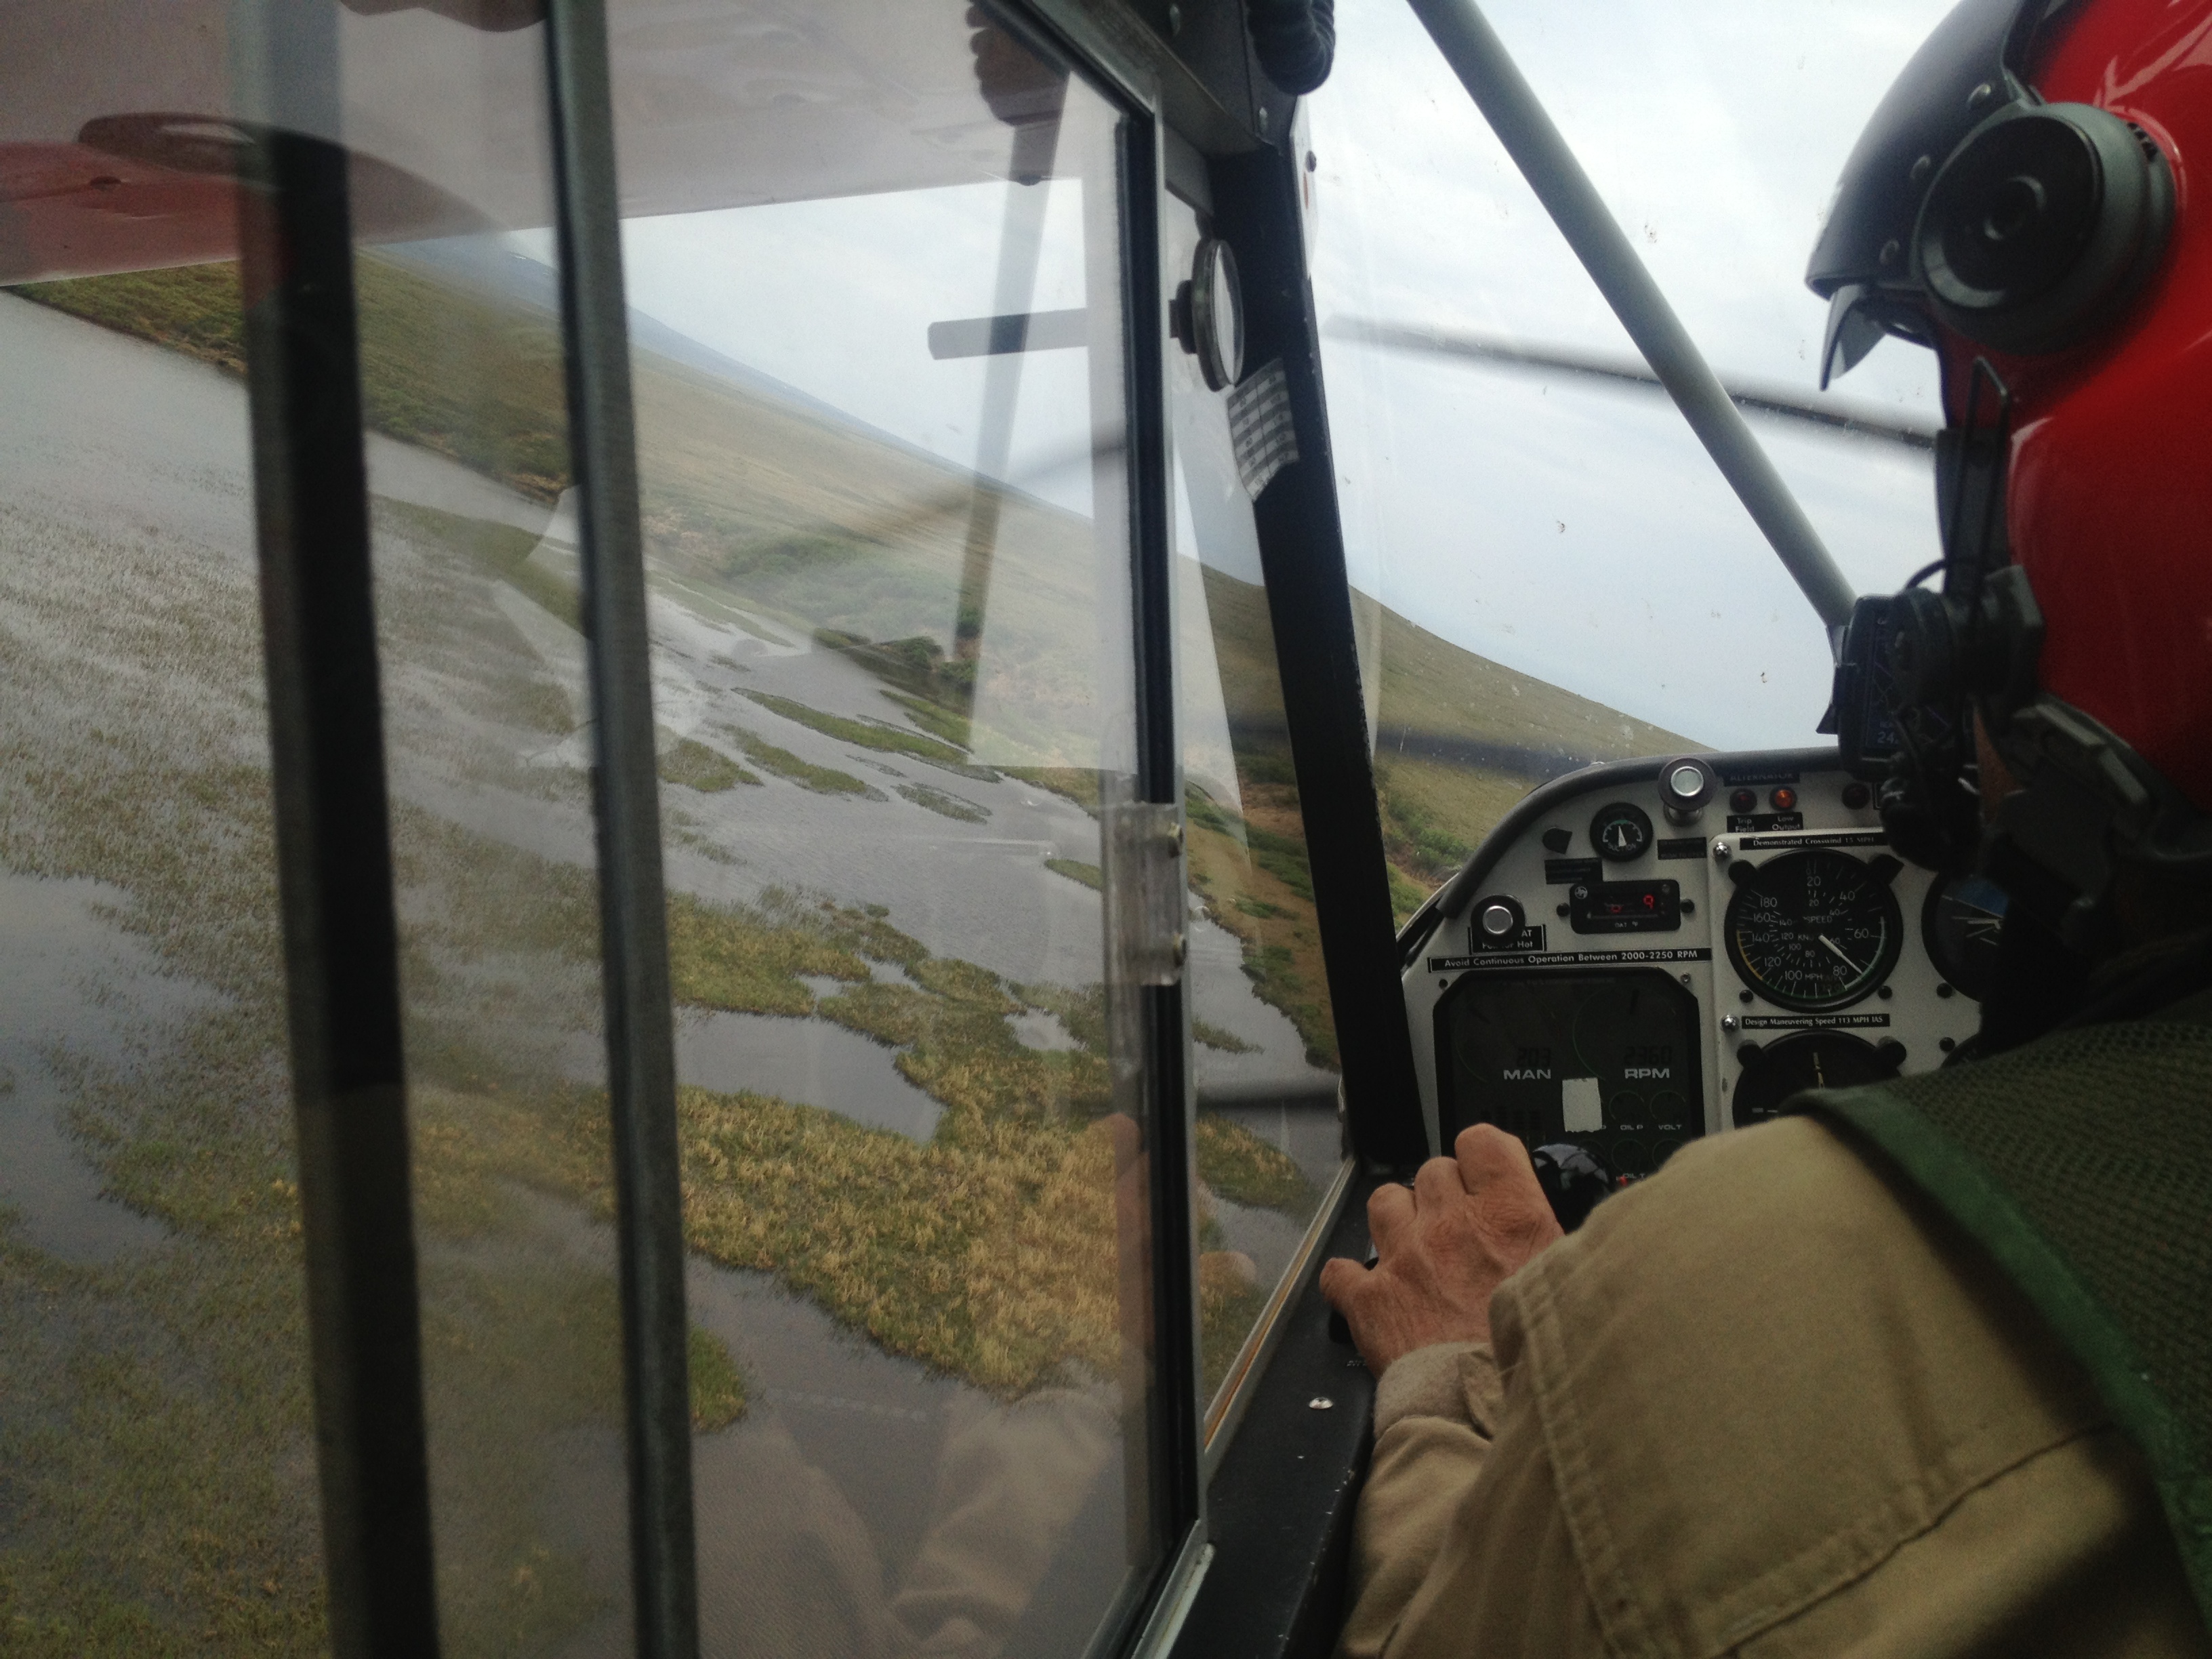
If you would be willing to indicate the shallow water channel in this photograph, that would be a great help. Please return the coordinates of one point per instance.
(75, 989)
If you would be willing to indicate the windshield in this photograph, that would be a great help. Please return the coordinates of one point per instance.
(1557, 573)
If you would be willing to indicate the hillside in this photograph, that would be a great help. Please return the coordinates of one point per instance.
(793, 517)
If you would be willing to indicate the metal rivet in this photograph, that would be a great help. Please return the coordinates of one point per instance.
(1720, 852)
(1728, 1021)
(1922, 168)
(1321, 1402)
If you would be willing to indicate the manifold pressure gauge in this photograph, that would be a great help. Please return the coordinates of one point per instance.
(1815, 930)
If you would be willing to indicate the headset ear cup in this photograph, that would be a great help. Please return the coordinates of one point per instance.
(2043, 226)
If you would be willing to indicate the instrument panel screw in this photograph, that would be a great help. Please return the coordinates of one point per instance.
(1728, 1022)
(1321, 1402)
(1721, 851)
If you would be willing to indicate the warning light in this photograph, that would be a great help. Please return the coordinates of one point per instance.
(1784, 799)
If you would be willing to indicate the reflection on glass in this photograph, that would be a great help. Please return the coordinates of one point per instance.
(1554, 571)
(1263, 1034)
(488, 741)
(155, 1433)
(878, 359)
(158, 1413)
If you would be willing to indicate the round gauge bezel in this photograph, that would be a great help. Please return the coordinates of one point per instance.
(1217, 314)
(1629, 813)
(1941, 957)
(1863, 1062)
(1892, 944)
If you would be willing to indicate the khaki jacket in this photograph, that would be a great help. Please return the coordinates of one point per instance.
(1770, 1402)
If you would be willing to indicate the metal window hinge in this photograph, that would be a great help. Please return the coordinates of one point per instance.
(1146, 910)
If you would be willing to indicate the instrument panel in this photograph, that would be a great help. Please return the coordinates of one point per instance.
(1646, 951)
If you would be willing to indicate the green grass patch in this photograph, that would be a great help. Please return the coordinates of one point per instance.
(1406, 895)
(1227, 1042)
(442, 366)
(944, 805)
(1082, 1010)
(1077, 783)
(1245, 1170)
(750, 961)
(862, 734)
(933, 718)
(691, 763)
(1076, 870)
(718, 1387)
(501, 551)
(822, 780)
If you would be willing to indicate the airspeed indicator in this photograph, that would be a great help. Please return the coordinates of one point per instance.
(1814, 930)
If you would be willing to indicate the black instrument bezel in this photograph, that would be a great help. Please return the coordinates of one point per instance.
(1885, 965)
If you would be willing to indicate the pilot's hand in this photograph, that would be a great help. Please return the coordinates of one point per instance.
(1470, 1223)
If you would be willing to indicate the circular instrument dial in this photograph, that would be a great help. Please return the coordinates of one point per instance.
(1962, 925)
(1811, 1059)
(1621, 832)
(1813, 931)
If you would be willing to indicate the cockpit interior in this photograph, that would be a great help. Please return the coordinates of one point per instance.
(754, 757)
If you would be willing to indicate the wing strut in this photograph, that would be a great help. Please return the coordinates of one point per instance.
(1479, 59)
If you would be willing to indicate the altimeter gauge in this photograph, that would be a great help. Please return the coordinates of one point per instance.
(1814, 930)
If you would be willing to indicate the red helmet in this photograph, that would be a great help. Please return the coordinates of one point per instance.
(2031, 200)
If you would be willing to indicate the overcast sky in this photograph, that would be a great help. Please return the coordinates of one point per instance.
(1575, 531)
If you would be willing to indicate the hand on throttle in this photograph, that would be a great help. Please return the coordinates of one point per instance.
(1469, 1223)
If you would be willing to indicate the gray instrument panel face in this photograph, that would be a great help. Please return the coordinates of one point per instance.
(1822, 962)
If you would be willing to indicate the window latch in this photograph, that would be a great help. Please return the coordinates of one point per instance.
(1145, 912)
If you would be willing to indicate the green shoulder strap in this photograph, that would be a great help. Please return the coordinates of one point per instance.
(2083, 1164)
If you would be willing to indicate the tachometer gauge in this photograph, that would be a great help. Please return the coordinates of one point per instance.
(1813, 931)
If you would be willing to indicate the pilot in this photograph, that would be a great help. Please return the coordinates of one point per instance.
(1924, 1368)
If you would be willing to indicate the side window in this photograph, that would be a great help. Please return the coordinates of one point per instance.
(878, 366)
(157, 1433)
(1264, 1043)
(1556, 572)
(488, 743)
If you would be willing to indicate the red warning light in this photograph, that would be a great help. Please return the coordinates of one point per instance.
(1784, 799)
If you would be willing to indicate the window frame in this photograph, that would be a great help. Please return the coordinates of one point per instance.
(365, 1315)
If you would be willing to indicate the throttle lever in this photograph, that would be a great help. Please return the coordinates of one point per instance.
(1575, 1181)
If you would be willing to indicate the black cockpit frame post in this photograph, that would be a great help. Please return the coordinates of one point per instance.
(1309, 606)
(626, 801)
(333, 837)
